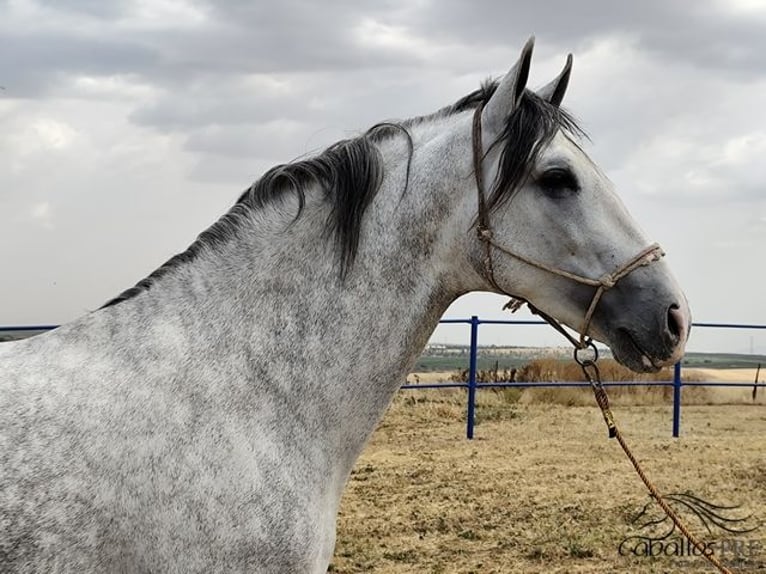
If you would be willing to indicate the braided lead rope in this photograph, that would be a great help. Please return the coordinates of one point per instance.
(649, 255)
(593, 375)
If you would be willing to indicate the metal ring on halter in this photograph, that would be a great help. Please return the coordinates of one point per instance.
(584, 362)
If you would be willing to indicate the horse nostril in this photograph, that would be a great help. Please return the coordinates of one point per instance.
(676, 323)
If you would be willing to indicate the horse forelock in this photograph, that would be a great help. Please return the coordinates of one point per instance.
(527, 131)
(349, 174)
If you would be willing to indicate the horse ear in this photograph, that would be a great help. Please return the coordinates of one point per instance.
(554, 92)
(508, 93)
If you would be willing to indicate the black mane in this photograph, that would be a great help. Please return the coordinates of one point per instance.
(350, 172)
(527, 131)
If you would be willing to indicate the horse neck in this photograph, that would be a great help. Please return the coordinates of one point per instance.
(272, 296)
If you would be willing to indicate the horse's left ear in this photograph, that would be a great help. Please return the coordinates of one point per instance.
(509, 92)
(554, 92)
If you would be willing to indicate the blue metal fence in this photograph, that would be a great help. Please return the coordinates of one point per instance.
(472, 385)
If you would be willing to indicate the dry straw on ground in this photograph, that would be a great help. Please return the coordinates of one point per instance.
(541, 489)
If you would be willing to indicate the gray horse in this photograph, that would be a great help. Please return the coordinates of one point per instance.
(207, 419)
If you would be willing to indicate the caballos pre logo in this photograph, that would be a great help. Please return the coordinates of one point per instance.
(729, 531)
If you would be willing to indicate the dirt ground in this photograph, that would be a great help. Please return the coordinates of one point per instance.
(730, 375)
(542, 488)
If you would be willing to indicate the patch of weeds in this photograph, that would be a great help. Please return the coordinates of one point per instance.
(362, 473)
(496, 413)
(536, 554)
(627, 512)
(441, 525)
(415, 399)
(510, 395)
(508, 544)
(577, 550)
(401, 556)
(469, 535)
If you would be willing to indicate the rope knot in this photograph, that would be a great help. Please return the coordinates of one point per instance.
(607, 281)
(484, 233)
(652, 254)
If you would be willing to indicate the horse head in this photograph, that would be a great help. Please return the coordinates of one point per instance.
(552, 231)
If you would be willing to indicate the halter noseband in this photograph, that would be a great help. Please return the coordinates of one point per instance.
(647, 256)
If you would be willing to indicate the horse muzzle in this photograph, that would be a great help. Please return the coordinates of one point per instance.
(645, 323)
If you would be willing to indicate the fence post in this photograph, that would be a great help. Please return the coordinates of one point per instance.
(676, 399)
(472, 377)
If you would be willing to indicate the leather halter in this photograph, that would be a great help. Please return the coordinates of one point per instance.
(645, 257)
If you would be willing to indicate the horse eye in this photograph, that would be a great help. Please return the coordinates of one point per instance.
(557, 181)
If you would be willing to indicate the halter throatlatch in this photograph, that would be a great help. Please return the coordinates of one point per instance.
(647, 256)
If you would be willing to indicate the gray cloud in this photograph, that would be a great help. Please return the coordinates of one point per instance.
(242, 38)
(708, 34)
(34, 64)
(116, 114)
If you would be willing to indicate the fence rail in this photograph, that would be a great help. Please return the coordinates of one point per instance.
(472, 385)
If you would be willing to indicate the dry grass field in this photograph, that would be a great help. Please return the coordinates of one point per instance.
(542, 488)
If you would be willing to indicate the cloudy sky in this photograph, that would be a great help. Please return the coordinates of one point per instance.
(130, 126)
